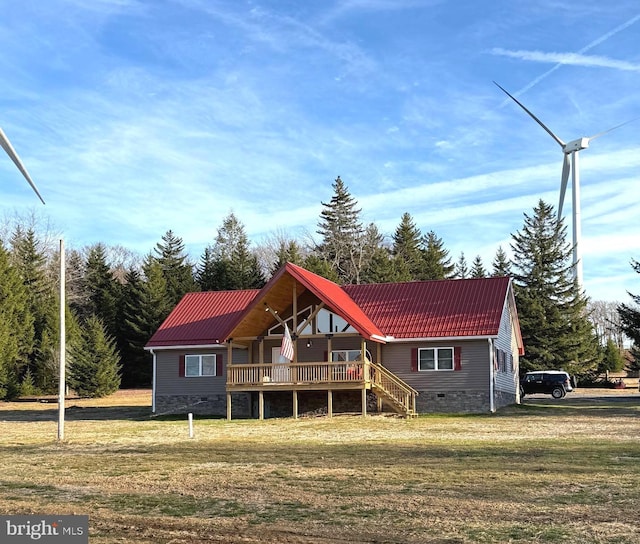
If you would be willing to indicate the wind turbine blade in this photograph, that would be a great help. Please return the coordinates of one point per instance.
(613, 128)
(6, 145)
(532, 116)
(566, 166)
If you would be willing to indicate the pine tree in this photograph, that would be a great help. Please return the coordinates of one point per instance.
(407, 241)
(230, 263)
(630, 321)
(321, 267)
(501, 264)
(612, 359)
(477, 270)
(461, 270)
(551, 308)
(287, 252)
(16, 324)
(342, 233)
(31, 263)
(380, 264)
(176, 268)
(94, 367)
(146, 307)
(103, 292)
(436, 264)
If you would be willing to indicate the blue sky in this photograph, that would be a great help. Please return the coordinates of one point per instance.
(138, 116)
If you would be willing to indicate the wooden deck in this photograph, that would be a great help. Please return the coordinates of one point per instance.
(321, 376)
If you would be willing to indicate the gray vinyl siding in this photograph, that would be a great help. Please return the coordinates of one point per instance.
(506, 341)
(169, 382)
(473, 376)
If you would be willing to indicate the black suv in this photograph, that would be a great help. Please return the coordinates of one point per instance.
(556, 383)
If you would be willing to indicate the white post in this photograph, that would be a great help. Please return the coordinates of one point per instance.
(63, 346)
(153, 383)
(190, 425)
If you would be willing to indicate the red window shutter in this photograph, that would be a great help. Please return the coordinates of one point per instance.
(414, 359)
(457, 358)
(181, 367)
(218, 366)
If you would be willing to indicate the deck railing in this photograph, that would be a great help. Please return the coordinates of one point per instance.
(298, 373)
(394, 388)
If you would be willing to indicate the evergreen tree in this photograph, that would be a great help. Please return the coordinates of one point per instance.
(342, 234)
(551, 308)
(321, 267)
(630, 321)
(230, 264)
(131, 338)
(31, 263)
(407, 241)
(103, 291)
(176, 268)
(94, 368)
(206, 271)
(380, 264)
(461, 270)
(16, 325)
(612, 359)
(501, 264)
(436, 264)
(287, 252)
(477, 270)
(146, 307)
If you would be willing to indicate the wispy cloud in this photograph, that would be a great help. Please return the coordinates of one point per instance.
(573, 59)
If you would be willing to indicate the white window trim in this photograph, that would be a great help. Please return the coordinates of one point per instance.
(200, 357)
(435, 360)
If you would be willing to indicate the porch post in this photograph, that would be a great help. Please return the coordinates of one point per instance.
(329, 403)
(364, 402)
(295, 404)
(228, 406)
(261, 405)
(379, 399)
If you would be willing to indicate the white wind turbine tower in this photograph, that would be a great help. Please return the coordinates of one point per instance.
(570, 162)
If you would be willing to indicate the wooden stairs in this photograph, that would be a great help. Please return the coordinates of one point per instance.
(394, 392)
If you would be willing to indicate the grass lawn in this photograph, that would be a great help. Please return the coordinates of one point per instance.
(547, 471)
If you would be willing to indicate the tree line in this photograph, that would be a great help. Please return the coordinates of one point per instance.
(117, 300)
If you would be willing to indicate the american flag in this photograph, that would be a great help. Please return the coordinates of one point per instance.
(286, 349)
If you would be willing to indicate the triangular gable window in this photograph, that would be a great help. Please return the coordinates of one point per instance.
(326, 322)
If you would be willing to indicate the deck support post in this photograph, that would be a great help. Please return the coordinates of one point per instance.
(379, 400)
(364, 402)
(228, 406)
(260, 405)
(295, 404)
(329, 403)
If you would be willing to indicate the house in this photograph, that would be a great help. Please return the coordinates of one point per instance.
(413, 347)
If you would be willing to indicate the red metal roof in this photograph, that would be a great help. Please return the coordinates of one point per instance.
(428, 309)
(432, 309)
(338, 300)
(201, 318)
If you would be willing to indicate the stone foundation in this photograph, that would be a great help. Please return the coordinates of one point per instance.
(469, 402)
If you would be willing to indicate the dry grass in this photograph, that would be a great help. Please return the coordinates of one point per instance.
(548, 471)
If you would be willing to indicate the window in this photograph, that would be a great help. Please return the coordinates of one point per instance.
(199, 365)
(345, 355)
(435, 359)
